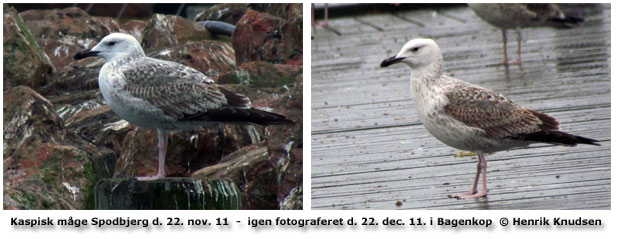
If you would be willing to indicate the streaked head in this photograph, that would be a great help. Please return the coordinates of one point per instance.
(416, 53)
(113, 45)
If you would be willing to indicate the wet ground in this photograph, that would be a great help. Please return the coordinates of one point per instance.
(370, 151)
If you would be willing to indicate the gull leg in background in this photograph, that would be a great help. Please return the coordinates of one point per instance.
(505, 61)
(323, 24)
(518, 49)
(521, 15)
(504, 34)
(325, 21)
(313, 15)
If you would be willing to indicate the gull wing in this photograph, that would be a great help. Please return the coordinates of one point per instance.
(496, 115)
(186, 94)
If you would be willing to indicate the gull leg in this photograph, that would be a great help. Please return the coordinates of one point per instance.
(505, 46)
(324, 24)
(473, 193)
(325, 21)
(162, 136)
(313, 15)
(484, 191)
(518, 49)
(505, 49)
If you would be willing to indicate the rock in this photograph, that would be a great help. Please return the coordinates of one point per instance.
(64, 32)
(225, 12)
(213, 58)
(24, 62)
(285, 150)
(250, 169)
(73, 78)
(288, 11)
(28, 115)
(47, 176)
(135, 10)
(292, 37)
(167, 194)
(233, 164)
(135, 28)
(257, 38)
(45, 166)
(262, 74)
(263, 37)
(100, 126)
(293, 201)
(165, 31)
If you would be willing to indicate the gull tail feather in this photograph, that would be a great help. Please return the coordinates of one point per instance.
(240, 115)
(557, 137)
(567, 22)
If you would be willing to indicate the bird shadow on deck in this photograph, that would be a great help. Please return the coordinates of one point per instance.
(370, 151)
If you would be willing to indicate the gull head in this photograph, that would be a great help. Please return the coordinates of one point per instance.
(112, 46)
(416, 53)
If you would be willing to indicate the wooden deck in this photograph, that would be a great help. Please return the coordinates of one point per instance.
(369, 150)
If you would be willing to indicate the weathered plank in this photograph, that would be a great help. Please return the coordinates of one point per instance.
(369, 150)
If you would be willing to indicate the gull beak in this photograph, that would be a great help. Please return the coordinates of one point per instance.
(85, 53)
(391, 60)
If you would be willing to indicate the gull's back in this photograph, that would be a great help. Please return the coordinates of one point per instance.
(513, 15)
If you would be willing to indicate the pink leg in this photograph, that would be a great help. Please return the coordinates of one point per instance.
(518, 50)
(325, 21)
(313, 15)
(323, 24)
(505, 61)
(162, 136)
(505, 46)
(473, 193)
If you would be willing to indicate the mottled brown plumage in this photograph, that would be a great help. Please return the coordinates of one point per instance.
(501, 118)
(498, 116)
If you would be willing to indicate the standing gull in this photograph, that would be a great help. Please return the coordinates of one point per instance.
(469, 117)
(165, 95)
(520, 15)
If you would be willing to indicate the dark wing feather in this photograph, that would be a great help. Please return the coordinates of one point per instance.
(498, 116)
(238, 109)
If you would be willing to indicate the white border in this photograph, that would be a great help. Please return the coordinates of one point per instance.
(244, 231)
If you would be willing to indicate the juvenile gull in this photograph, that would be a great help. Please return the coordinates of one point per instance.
(165, 95)
(520, 15)
(469, 117)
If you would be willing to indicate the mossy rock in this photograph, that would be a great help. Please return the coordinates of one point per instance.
(25, 63)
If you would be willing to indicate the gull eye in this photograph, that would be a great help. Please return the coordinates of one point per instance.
(415, 49)
(111, 43)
